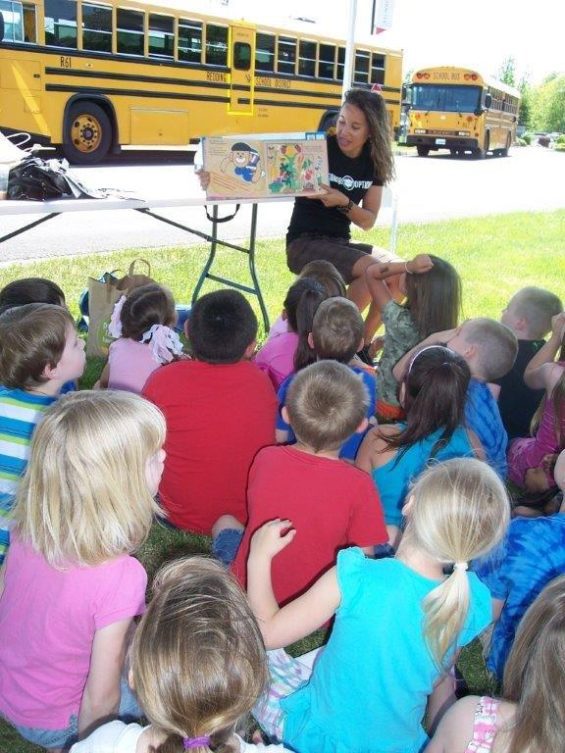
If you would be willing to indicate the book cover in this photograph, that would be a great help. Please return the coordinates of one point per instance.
(267, 165)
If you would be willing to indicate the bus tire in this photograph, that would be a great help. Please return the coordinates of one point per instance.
(87, 134)
(481, 152)
(423, 151)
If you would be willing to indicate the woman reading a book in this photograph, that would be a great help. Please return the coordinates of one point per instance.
(360, 162)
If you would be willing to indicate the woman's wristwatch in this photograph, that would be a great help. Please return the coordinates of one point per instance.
(346, 208)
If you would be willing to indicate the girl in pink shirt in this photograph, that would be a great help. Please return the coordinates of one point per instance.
(143, 323)
(70, 587)
(290, 351)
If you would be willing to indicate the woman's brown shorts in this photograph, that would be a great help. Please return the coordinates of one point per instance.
(341, 252)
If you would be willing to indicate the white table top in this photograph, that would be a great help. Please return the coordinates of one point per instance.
(11, 207)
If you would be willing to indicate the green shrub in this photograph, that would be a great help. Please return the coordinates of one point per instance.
(521, 142)
(560, 139)
(527, 138)
(560, 147)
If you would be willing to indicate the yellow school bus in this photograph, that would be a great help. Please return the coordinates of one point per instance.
(94, 75)
(461, 110)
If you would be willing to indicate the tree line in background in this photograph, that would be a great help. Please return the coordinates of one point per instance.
(542, 107)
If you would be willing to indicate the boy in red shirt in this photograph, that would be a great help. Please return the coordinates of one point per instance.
(331, 503)
(220, 410)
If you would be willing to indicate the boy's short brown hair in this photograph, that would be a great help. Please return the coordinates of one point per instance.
(31, 337)
(326, 402)
(537, 306)
(497, 346)
(337, 330)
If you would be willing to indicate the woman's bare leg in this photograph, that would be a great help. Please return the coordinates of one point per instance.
(358, 292)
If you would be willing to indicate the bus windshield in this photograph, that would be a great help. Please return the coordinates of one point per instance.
(446, 98)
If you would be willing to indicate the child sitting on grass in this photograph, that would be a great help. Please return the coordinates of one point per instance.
(433, 395)
(332, 504)
(527, 455)
(532, 554)
(143, 324)
(39, 352)
(220, 410)
(289, 351)
(71, 588)
(321, 271)
(489, 348)
(528, 314)
(198, 666)
(529, 716)
(433, 300)
(398, 622)
(337, 334)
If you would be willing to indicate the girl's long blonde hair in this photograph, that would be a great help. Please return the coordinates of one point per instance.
(459, 511)
(198, 658)
(84, 497)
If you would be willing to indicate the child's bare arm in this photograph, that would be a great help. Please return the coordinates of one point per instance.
(376, 273)
(436, 338)
(538, 371)
(280, 627)
(101, 695)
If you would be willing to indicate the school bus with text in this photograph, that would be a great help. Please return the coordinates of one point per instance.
(95, 75)
(461, 110)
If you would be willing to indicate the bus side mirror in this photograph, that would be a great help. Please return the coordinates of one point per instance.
(488, 101)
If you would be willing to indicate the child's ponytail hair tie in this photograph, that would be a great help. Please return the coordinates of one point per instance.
(165, 343)
(460, 566)
(115, 326)
(195, 742)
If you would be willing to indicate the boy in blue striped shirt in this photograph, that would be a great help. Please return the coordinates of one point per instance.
(39, 352)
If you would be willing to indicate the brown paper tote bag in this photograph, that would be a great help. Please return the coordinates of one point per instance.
(103, 293)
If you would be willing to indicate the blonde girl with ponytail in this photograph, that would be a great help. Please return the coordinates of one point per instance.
(198, 665)
(398, 622)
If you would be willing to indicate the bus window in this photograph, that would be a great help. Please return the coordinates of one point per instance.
(61, 23)
(30, 24)
(161, 36)
(340, 62)
(216, 45)
(96, 28)
(377, 68)
(13, 21)
(307, 58)
(190, 41)
(130, 32)
(242, 56)
(326, 63)
(361, 73)
(286, 55)
(265, 53)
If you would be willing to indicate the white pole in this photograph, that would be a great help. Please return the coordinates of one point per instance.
(349, 48)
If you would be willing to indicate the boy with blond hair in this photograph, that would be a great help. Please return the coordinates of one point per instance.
(331, 503)
(39, 352)
(490, 349)
(528, 314)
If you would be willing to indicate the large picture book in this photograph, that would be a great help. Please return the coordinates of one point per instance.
(262, 166)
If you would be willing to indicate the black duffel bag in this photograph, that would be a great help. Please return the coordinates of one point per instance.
(38, 179)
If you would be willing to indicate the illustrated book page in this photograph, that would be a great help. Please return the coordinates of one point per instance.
(267, 165)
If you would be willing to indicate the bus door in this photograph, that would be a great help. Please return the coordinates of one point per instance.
(242, 64)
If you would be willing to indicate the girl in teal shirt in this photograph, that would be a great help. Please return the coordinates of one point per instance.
(398, 622)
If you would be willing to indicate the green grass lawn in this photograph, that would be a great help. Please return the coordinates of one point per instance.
(495, 256)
